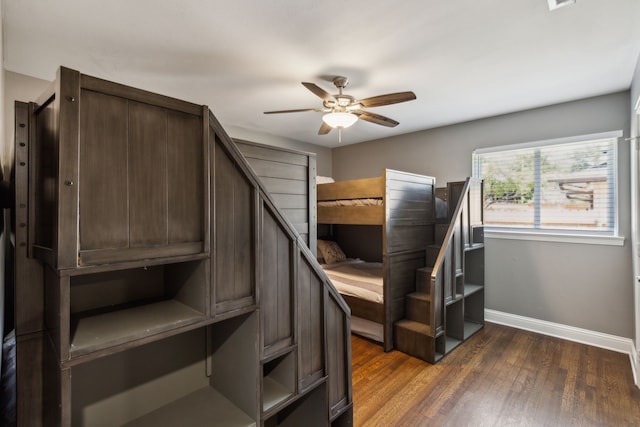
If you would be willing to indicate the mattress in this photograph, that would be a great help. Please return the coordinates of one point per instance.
(351, 202)
(357, 278)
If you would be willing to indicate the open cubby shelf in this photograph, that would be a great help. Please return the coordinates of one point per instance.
(112, 308)
(163, 387)
(92, 333)
(471, 328)
(278, 380)
(470, 288)
(205, 406)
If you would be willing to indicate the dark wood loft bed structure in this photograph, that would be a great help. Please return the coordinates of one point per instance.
(143, 235)
(394, 221)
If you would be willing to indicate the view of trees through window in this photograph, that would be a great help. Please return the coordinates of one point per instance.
(561, 186)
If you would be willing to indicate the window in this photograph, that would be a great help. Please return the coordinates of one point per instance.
(563, 186)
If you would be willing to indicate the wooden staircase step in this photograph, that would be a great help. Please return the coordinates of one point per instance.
(440, 232)
(432, 254)
(414, 338)
(423, 280)
(418, 307)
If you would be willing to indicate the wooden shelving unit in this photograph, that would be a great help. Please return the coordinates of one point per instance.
(162, 288)
(448, 305)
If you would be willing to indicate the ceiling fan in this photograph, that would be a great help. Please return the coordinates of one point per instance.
(344, 110)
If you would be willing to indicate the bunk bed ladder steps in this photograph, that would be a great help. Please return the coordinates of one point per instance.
(415, 334)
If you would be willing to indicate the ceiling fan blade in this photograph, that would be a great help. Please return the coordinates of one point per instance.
(324, 129)
(390, 98)
(293, 111)
(326, 96)
(377, 119)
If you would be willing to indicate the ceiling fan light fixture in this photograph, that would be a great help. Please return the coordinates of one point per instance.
(339, 119)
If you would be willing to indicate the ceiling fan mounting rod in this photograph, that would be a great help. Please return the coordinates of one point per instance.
(340, 82)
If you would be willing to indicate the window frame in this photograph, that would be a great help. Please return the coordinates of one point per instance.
(597, 237)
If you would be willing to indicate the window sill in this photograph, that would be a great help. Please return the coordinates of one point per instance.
(554, 237)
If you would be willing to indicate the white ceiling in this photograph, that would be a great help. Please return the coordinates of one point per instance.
(464, 59)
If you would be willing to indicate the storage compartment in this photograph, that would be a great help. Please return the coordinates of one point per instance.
(118, 174)
(278, 380)
(115, 307)
(210, 381)
(304, 411)
(473, 312)
(474, 265)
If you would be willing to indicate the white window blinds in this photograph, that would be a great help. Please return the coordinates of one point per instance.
(555, 185)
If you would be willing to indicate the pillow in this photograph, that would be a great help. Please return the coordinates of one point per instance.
(330, 251)
(324, 179)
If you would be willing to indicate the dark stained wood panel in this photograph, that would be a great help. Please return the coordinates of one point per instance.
(104, 211)
(310, 324)
(44, 168)
(29, 290)
(285, 186)
(233, 231)
(185, 177)
(275, 154)
(277, 293)
(338, 362)
(289, 176)
(400, 279)
(290, 201)
(276, 170)
(148, 178)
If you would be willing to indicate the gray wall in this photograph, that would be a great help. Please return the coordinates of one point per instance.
(586, 286)
(635, 132)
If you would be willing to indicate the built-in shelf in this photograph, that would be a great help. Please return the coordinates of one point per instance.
(156, 385)
(471, 328)
(107, 309)
(274, 393)
(278, 380)
(206, 406)
(100, 331)
(470, 288)
(451, 343)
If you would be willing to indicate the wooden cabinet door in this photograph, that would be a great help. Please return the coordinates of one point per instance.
(104, 213)
(141, 180)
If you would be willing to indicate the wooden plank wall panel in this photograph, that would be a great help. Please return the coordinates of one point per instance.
(104, 219)
(185, 186)
(148, 182)
(44, 170)
(338, 364)
(233, 231)
(410, 215)
(276, 170)
(311, 307)
(276, 287)
(289, 177)
(29, 289)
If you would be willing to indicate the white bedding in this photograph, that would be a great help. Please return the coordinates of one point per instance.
(357, 278)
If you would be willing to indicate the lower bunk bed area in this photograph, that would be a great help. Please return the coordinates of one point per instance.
(360, 283)
(371, 248)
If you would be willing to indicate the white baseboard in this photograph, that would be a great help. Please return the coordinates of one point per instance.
(635, 365)
(583, 336)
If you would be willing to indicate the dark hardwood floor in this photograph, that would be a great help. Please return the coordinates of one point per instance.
(500, 377)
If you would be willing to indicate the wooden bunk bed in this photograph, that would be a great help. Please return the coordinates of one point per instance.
(394, 219)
